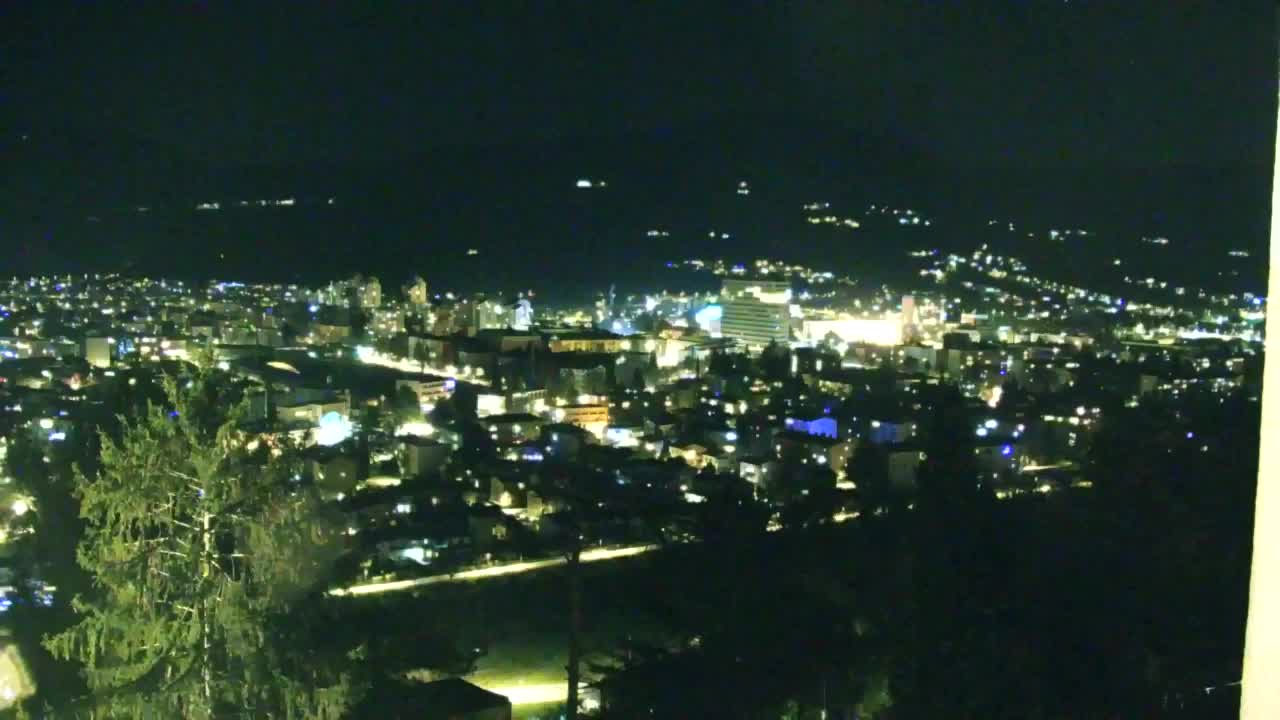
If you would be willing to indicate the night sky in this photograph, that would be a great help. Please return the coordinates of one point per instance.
(448, 125)
(972, 84)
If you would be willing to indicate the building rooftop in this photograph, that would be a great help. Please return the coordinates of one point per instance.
(806, 438)
(510, 418)
(580, 333)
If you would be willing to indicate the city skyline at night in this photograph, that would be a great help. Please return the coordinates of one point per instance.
(533, 361)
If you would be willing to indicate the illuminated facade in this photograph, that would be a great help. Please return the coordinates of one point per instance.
(428, 391)
(709, 320)
(420, 456)
(490, 404)
(97, 350)
(513, 428)
(415, 292)
(771, 292)
(592, 418)
(592, 341)
(324, 333)
(523, 315)
(490, 315)
(910, 321)
(820, 426)
(369, 293)
(755, 323)
(386, 322)
(875, 331)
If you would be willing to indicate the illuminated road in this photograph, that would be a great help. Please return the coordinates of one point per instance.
(588, 556)
(372, 357)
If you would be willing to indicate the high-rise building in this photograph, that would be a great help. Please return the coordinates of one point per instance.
(415, 292)
(490, 314)
(909, 319)
(756, 312)
(522, 314)
(369, 293)
(386, 322)
(767, 291)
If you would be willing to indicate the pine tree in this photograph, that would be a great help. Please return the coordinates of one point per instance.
(201, 549)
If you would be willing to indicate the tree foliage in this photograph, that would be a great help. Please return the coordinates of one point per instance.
(201, 548)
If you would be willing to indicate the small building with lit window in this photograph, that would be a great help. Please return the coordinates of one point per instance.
(513, 428)
(815, 449)
(421, 456)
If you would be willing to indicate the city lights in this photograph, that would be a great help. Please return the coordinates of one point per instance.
(750, 362)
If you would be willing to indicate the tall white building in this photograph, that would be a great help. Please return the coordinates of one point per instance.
(756, 312)
(522, 315)
(909, 317)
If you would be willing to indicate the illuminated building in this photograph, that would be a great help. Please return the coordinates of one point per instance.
(822, 425)
(368, 293)
(153, 348)
(421, 456)
(756, 312)
(886, 331)
(710, 320)
(694, 455)
(97, 350)
(565, 441)
(314, 410)
(910, 321)
(490, 404)
(530, 401)
(386, 322)
(815, 449)
(429, 389)
(773, 292)
(415, 292)
(759, 471)
(889, 432)
(590, 417)
(325, 333)
(522, 314)
(489, 314)
(512, 428)
(584, 340)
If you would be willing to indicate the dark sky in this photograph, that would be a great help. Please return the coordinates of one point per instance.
(1039, 83)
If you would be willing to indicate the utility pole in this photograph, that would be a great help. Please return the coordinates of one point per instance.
(574, 558)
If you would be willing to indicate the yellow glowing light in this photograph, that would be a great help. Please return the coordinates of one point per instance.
(996, 393)
(20, 507)
(876, 331)
(421, 429)
(531, 694)
(593, 555)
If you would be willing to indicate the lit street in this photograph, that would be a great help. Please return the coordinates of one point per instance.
(588, 556)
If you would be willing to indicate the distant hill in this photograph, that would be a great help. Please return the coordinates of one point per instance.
(71, 202)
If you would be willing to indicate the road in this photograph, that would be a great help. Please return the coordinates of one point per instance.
(516, 568)
(373, 357)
